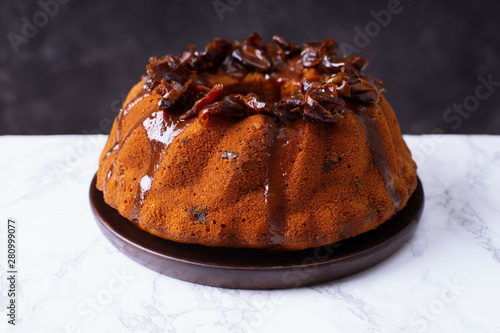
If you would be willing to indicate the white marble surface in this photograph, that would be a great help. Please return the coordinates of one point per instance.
(71, 279)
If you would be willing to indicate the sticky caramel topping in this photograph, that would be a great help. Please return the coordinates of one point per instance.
(182, 80)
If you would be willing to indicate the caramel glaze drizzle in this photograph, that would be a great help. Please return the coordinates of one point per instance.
(366, 116)
(286, 137)
(161, 129)
(186, 96)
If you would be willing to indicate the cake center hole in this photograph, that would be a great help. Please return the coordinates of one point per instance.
(266, 87)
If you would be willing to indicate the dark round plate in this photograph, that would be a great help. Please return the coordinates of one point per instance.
(257, 269)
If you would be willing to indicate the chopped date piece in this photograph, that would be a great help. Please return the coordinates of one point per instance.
(285, 48)
(188, 55)
(234, 98)
(177, 95)
(310, 56)
(149, 82)
(288, 106)
(332, 64)
(314, 110)
(313, 52)
(216, 51)
(168, 70)
(254, 102)
(335, 79)
(322, 97)
(359, 89)
(252, 56)
(254, 39)
(213, 95)
(352, 73)
(308, 86)
(357, 62)
(213, 56)
(224, 107)
(330, 47)
(365, 92)
(344, 89)
(233, 67)
(153, 60)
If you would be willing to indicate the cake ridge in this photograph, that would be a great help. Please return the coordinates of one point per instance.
(119, 119)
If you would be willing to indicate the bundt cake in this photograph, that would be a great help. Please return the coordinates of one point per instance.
(275, 146)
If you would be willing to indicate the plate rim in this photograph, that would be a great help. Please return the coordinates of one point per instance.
(255, 277)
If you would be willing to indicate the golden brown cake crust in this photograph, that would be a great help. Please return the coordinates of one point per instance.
(247, 145)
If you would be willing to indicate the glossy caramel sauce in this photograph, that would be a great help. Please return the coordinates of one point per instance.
(366, 117)
(286, 142)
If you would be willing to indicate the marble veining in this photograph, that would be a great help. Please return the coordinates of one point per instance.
(71, 279)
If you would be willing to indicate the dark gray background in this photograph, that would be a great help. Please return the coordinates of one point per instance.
(70, 76)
